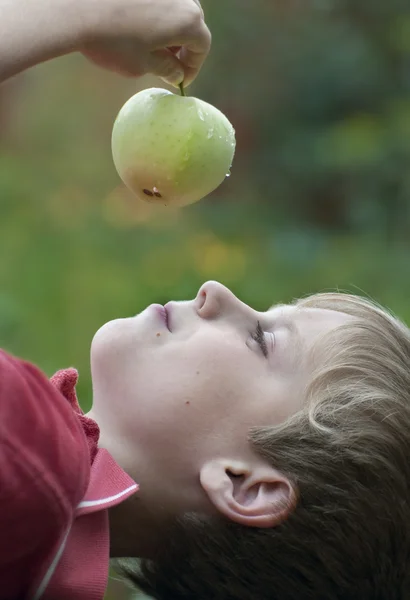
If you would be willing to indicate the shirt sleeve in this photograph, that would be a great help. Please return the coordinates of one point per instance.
(44, 472)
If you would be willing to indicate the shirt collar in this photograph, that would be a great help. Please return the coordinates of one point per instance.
(109, 483)
(78, 566)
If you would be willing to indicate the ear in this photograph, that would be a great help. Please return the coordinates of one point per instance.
(255, 495)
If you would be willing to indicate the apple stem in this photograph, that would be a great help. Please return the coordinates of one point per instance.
(181, 87)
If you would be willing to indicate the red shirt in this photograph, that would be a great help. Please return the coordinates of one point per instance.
(56, 485)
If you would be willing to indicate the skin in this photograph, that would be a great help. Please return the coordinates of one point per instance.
(168, 38)
(175, 407)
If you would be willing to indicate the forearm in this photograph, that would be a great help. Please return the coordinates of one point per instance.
(33, 31)
(131, 37)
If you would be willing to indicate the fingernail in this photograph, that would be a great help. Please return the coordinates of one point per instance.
(175, 78)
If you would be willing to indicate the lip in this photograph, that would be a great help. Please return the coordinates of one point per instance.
(168, 311)
(162, 313)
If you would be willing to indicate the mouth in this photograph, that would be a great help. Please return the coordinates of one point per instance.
(166, 317)
(168, 312)
(163, 314)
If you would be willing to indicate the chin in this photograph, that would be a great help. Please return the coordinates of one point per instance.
(114, 340)
(106, 340)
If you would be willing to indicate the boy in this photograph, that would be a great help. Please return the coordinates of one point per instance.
(273, 446)
(270, 449)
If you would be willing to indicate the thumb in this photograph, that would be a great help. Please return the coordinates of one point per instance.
(166, 65)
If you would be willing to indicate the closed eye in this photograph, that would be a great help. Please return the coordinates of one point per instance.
(259, 337)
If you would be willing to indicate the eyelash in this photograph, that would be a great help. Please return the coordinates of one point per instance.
(259, 337)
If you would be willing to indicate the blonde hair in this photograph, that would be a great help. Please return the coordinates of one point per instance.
(348, 454)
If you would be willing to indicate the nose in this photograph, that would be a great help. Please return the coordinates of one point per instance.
(214, 300)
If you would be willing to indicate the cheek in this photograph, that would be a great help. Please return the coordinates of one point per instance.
(168, 387)
(176, 394)
(164, 411)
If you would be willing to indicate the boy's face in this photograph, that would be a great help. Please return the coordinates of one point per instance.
(170, 394)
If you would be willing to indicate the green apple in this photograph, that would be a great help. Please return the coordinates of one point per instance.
(171, 149)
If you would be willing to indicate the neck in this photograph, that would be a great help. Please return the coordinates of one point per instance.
(134, 531)
(137, 524)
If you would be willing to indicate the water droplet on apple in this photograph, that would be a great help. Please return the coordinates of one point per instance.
(210, 134)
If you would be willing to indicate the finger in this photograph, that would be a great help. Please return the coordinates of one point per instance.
(194, 52)
(119, 57)
(166, 65)
(174, 49)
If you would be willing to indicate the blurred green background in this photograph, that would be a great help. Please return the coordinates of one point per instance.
(319, 197)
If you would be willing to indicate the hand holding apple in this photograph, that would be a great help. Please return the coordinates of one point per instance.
(134, 37)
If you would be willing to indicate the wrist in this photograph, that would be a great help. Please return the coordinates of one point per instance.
(62, 24)
(96, 20)
(69, 23)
